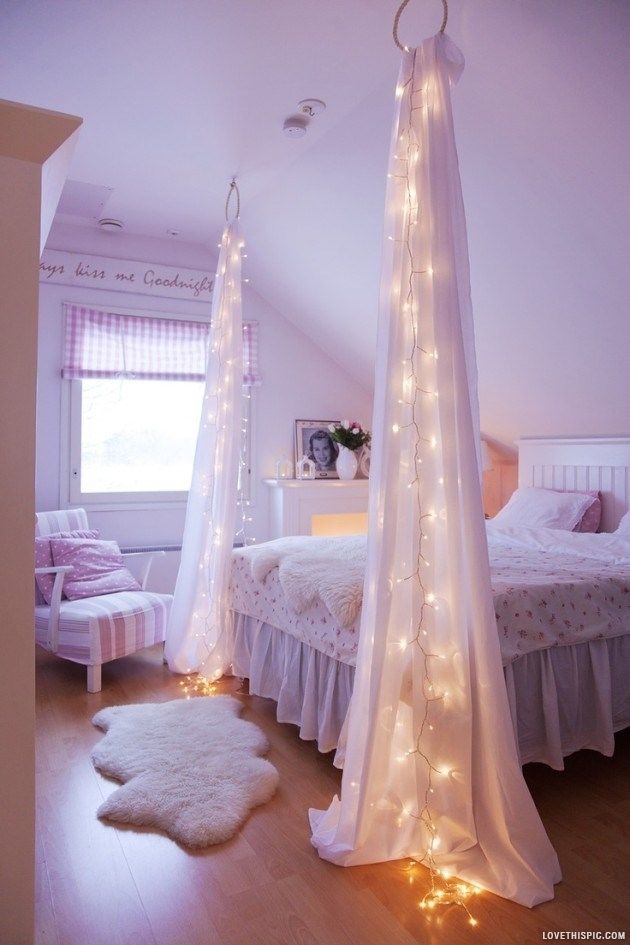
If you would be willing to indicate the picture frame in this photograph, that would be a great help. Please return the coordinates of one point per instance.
(312, 439)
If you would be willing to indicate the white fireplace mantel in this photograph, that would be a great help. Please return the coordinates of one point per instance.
(295, 503)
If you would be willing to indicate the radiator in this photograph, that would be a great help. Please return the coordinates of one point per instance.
(134, 549)
(163, 573)
(164, 570)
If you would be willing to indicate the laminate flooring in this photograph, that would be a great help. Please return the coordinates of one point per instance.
(103, 885)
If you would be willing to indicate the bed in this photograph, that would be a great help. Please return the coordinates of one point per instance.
(562, 602)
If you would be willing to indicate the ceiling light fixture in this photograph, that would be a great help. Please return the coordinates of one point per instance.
(112, 226)
(311, 107)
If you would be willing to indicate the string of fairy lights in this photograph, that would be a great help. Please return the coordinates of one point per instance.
(211, 610)
(419, 396)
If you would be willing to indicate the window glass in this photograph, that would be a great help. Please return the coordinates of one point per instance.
(138, 435)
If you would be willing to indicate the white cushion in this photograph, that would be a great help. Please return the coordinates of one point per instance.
(623, 528)
(544, 508)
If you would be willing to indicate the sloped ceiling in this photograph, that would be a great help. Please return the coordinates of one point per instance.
(177, 97)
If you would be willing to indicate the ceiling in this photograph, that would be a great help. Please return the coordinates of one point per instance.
(178, 97)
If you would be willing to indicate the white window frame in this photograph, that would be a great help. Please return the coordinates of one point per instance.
(70, 454)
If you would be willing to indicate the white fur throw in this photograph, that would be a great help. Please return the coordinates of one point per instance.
(190, 768)
(311, 569)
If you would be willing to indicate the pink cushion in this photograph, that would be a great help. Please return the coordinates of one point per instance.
(97, 567)
(44, 558)
(592, 517)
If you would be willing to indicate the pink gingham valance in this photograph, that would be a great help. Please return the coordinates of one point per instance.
(109, 345)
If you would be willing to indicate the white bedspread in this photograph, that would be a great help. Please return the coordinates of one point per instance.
(551, 588)
(554, 588)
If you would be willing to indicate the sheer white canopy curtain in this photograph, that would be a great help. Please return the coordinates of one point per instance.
(198, 637)
(431, 769)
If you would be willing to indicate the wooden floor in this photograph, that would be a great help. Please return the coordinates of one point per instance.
(100, 885)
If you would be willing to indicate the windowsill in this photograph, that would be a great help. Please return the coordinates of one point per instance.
(142, 505)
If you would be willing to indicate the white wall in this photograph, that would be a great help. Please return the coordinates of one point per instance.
(299, 381)
(33, 166)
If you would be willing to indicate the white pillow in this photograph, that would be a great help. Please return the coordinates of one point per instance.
(544, 508)
(623, 528)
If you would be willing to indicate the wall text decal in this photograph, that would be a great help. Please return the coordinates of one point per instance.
(124, 275)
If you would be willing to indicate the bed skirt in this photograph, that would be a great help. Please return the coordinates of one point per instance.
(561, 699)
(312, 690)
(568, 698)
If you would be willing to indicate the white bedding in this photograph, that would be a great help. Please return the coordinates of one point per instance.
(551, 588)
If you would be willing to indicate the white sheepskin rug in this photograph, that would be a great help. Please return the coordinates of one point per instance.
(310, 569)
(191, 768)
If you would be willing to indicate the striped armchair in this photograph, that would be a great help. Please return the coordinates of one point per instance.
(94, 630)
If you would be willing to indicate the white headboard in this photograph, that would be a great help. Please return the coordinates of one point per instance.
(580, 462)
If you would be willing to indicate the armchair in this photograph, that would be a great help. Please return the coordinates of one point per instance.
(95, 630)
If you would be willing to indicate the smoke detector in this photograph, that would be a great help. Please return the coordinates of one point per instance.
(296, 125)
(113, 226)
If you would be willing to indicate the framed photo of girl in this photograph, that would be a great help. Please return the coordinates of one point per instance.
(313, 439)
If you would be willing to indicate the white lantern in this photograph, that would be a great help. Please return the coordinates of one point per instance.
(305, 468)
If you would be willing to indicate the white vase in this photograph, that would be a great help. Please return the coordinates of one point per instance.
(347, 463)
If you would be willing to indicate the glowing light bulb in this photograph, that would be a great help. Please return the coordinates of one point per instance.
(395, 428)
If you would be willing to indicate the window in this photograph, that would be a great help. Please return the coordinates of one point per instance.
(136, 392)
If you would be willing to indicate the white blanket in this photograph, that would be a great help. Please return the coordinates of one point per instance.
(606, 547)
(312, 569)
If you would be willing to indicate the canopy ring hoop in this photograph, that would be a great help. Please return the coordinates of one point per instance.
(233, 190)
(399, 13)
